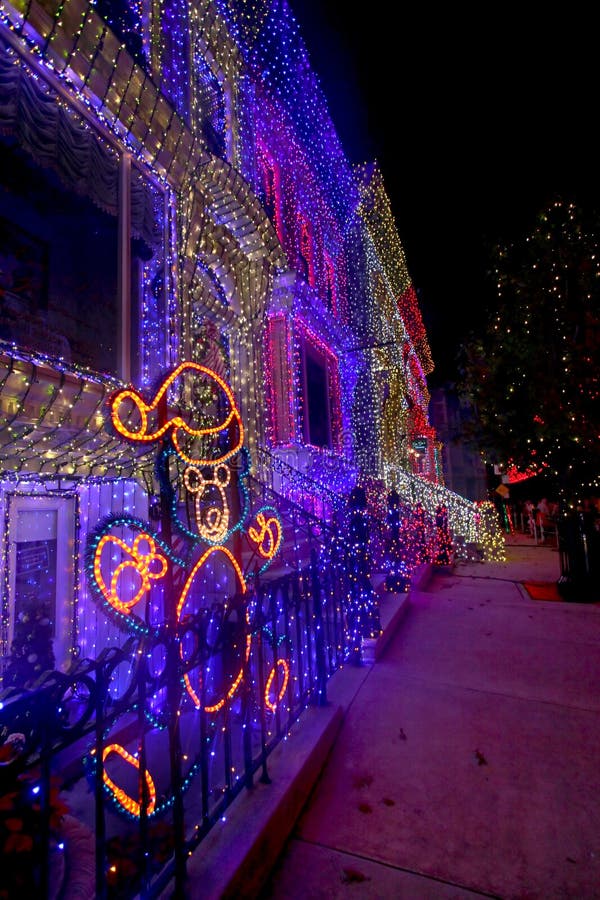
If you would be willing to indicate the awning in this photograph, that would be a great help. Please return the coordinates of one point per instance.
(54, 421)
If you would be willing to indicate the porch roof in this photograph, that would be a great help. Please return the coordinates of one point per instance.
(53, 421)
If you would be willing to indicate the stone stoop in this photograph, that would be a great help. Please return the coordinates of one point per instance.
(392, 609)
(422, 576)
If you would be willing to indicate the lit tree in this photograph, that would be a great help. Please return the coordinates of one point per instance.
(398, 545)
(533, 375)
(444, 548)
(363, 609)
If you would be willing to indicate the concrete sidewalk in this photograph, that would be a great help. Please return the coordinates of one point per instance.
(464, 762)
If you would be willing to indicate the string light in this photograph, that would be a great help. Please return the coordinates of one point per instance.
(262, 233)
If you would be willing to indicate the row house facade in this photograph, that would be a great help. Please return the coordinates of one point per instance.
(173, 189)
(213, 393)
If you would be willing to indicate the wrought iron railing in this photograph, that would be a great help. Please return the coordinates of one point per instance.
(149, 763)
(228, 641)
(470, 522)
(152, 741)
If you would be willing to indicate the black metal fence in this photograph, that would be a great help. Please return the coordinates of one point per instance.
(115, 771)
(146, 764)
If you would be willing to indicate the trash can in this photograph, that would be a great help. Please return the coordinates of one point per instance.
(579, 549)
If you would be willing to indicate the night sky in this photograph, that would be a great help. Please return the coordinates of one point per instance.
(475, 124)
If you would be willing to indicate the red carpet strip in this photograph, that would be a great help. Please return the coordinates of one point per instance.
(542, 590)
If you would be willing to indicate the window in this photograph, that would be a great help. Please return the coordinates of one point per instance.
(317, 426)
(174, 55)
(41, 568)
(60, 289)
(210, 103)
(271, 190)
(321, 412)
(125, 19)
(58, 255)
(305, 256)
(303, 387)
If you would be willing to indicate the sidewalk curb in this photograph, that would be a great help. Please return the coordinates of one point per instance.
(235, 859)
(237, 856)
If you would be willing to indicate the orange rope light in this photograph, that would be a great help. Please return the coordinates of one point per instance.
(199, 565)
(121, 796)
(177, 424)
(216, 520)
(140, 562)
(221, 703)
(272, 705)
(188, 684)
(266, 540)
